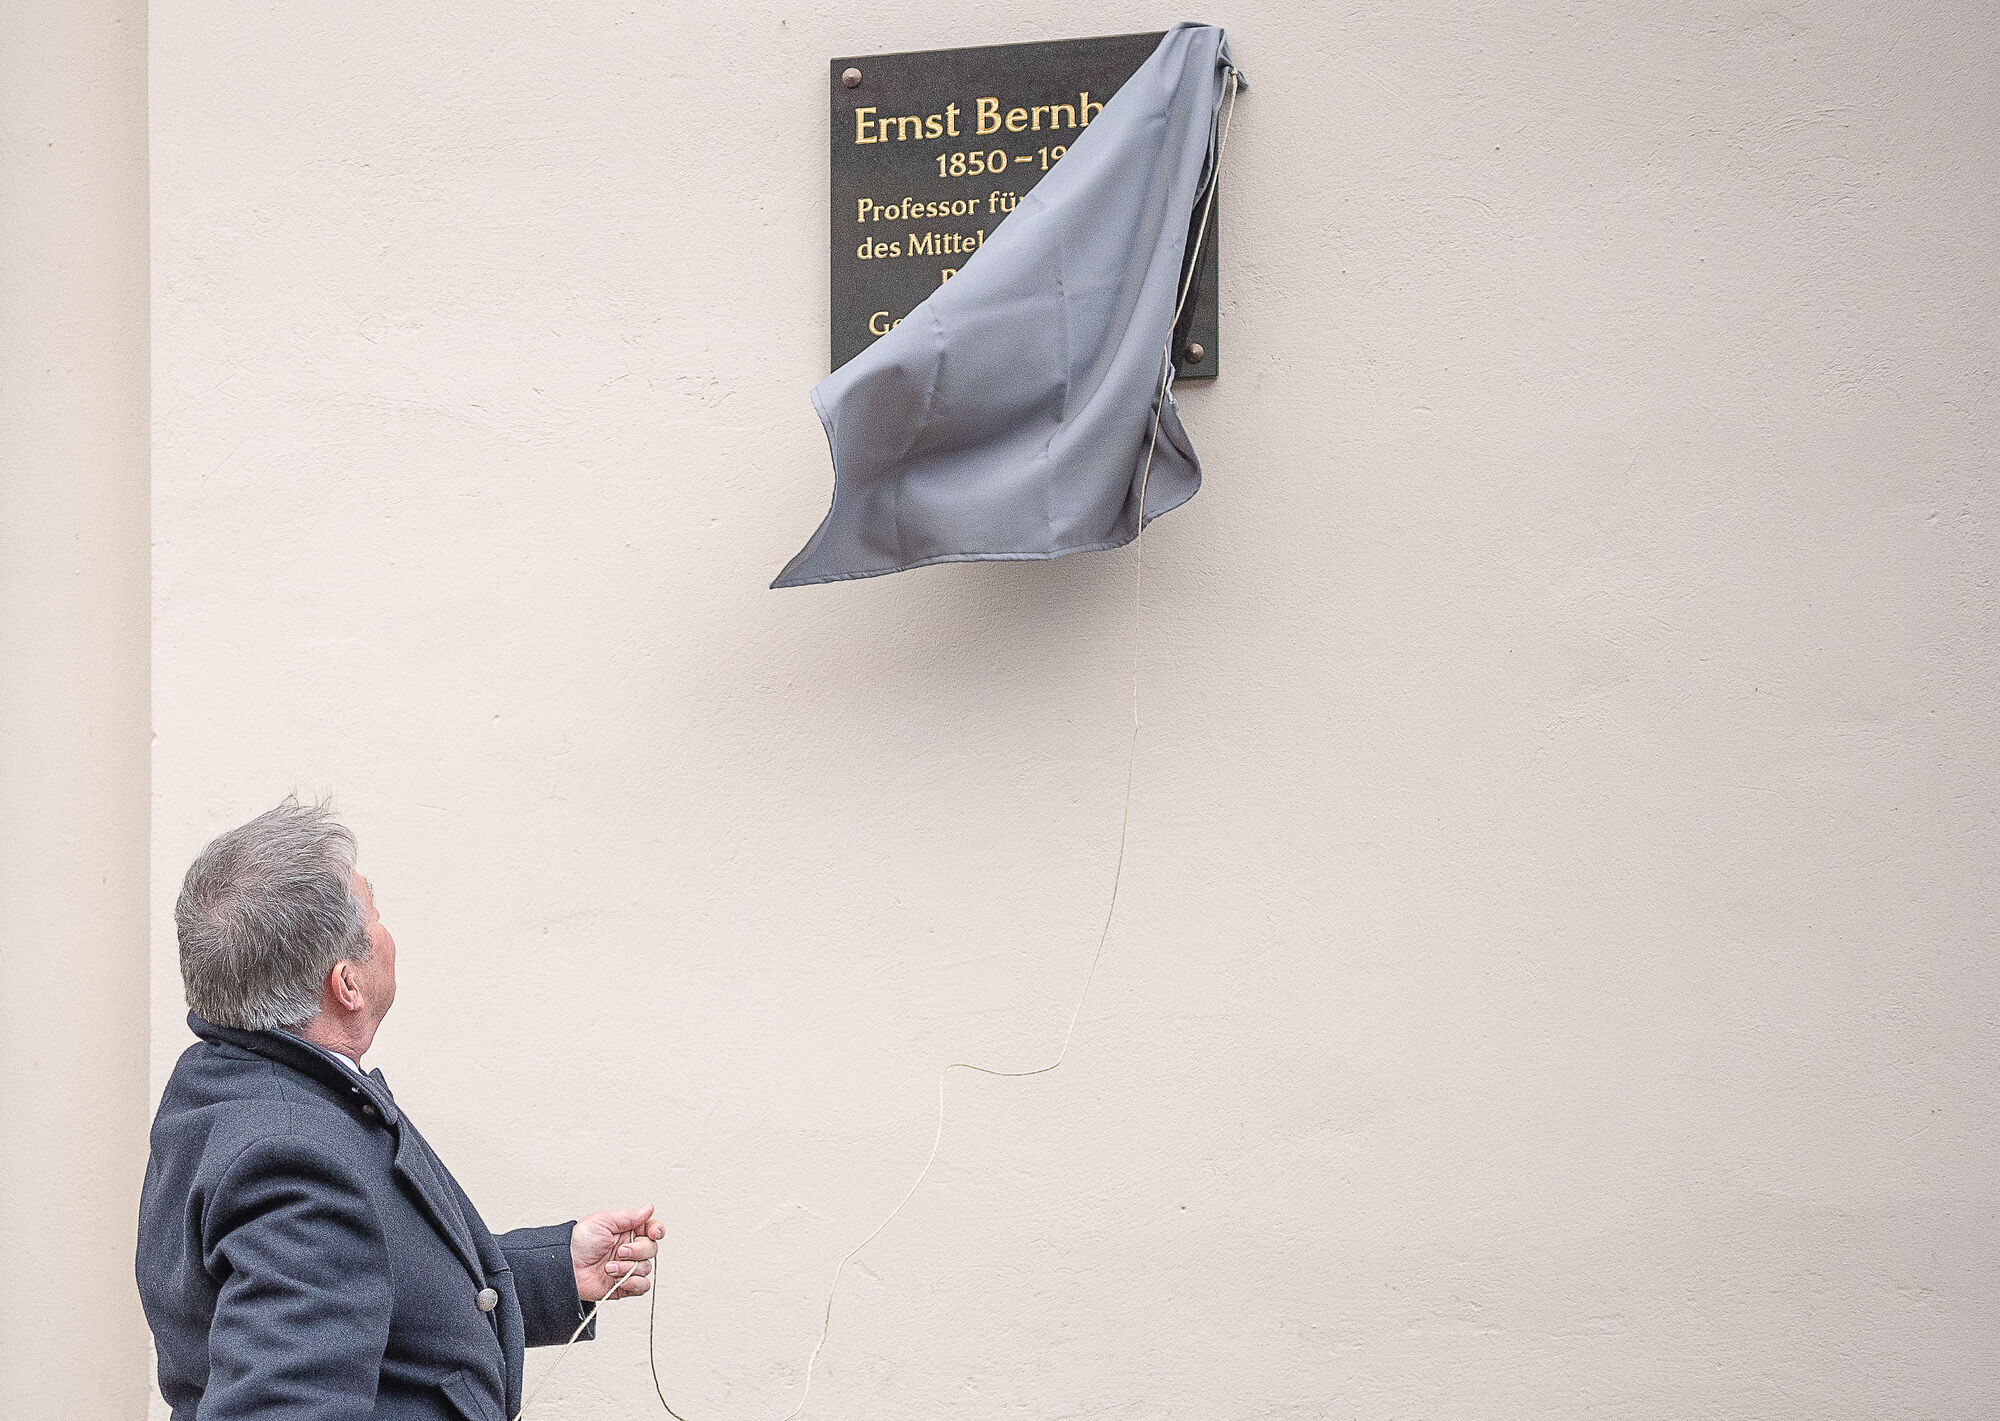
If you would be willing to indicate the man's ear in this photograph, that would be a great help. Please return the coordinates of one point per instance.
(343, 986)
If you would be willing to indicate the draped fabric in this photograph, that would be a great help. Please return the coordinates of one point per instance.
(1009, 414)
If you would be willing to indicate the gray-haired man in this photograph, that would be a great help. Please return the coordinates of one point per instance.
(303, 1253)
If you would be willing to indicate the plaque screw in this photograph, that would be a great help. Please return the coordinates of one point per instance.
(1195, 353)
(851, 78)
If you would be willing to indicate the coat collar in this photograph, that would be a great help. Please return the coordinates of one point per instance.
(303, 1057)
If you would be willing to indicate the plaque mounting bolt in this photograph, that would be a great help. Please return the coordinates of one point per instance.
(1195, 353)
(851, 78)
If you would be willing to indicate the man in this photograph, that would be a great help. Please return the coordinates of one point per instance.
(303, 1253)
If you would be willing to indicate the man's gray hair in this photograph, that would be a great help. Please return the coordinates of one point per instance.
(265, 912)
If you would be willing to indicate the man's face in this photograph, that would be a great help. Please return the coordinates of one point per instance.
(378, 973)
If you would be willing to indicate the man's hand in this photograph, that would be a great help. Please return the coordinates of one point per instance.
(603, 1246)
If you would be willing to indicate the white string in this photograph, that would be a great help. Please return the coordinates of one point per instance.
(1117, 872)
(588, 1318)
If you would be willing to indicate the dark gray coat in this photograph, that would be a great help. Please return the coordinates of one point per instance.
(303, 1254)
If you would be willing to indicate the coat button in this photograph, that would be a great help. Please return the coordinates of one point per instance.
(487, 1300)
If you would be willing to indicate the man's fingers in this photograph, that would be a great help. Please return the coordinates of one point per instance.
(637, 1248)
(626, 1220)
(632, 1287)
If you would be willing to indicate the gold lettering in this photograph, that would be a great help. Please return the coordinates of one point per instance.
(1087, 107)
(1055, 109)
(989, 115)
(951, 120)
(861, 126)
(1017, 119)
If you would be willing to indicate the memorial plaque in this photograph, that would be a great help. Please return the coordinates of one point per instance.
(931, 150)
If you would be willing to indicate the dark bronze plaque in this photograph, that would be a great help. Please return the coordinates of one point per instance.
(931, 150)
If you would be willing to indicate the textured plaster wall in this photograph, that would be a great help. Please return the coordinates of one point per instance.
(73, 625)
(1556, 971)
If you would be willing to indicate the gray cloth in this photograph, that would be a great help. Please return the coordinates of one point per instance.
(1008, 415)
(304, 1253)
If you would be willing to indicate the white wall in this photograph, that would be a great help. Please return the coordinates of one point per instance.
(1555, 975)
(73, 734)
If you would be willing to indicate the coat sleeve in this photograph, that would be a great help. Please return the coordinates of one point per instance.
(302, 1318)
(546, 1283)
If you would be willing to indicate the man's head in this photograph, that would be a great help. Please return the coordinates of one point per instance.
(278, 930)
